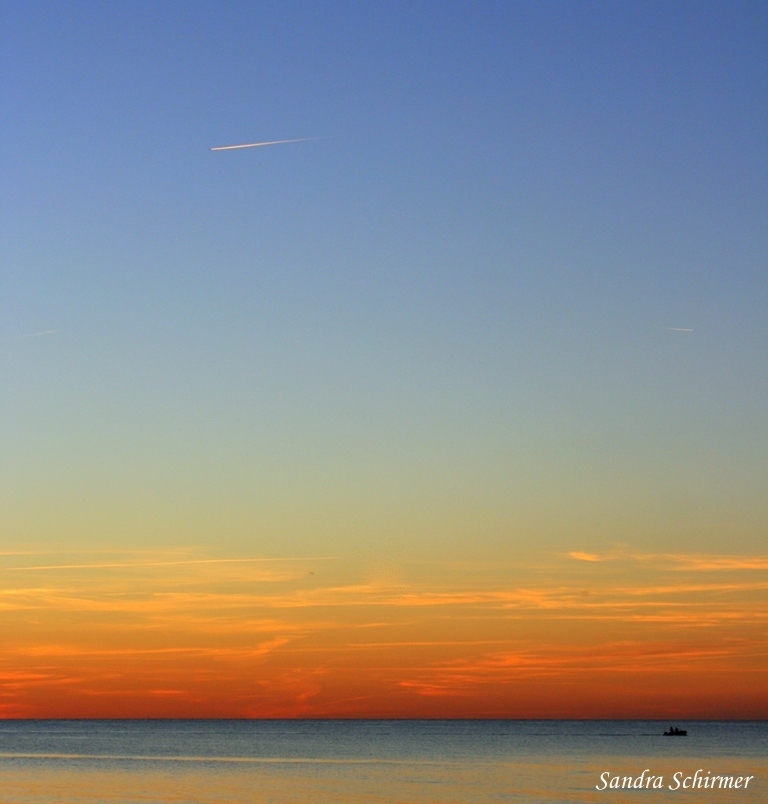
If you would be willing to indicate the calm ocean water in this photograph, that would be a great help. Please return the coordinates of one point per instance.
(423, 762)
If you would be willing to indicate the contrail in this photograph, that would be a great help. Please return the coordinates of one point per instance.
(38, 334)
(259, 144)
(679, 329)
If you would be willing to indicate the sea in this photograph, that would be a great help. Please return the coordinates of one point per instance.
(371, 761)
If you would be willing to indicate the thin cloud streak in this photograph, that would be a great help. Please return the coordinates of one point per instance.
(460, 676)
(680, 329)
(128, 565)
(184, 552)
(585, 556)
(705, 563)
(680, 562)
(259, 144)
(38, 334)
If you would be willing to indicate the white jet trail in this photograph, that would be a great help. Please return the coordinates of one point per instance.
(679, 329)
(38, 334)
(259, 144)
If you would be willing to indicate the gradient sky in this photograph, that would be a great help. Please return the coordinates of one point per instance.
(481, 368)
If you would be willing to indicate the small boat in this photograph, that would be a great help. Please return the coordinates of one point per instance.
(675, 732)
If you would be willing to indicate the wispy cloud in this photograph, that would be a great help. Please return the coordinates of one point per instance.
(463, 676)
(197, 626)
(586, 556)
(133, 564)
(38, 334)
(680, 329)
(714, 563)
(689, 562)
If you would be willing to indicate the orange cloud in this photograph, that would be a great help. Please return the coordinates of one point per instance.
(586, 556)
(224, 638)
(680, 561)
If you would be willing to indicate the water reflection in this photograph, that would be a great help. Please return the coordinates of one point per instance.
(351, 762)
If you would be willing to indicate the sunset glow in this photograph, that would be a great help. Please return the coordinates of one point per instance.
(452, 404)
(160, 634)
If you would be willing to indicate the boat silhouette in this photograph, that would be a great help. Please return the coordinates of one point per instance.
(675, 732)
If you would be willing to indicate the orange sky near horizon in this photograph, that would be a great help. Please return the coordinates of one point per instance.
(185, 634)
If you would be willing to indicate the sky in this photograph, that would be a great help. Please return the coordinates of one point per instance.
(454, 408)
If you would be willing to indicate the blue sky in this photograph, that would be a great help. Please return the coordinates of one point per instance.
(445, 321)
